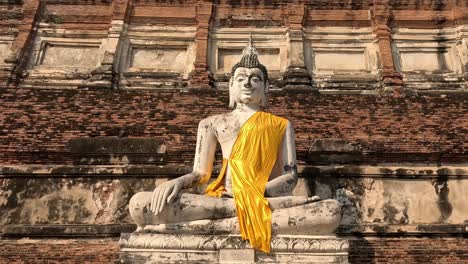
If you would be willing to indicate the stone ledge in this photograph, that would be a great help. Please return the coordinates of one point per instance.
(387, 171)
(114, 150)
(113, 230)
(274, 90)
(155, 171)
(333, 151)
(402, 230)
(56, 230)
(174, 170)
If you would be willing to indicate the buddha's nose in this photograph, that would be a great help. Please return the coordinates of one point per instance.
(248, 85)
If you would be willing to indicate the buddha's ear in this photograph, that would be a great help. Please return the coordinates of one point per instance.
(232, 100)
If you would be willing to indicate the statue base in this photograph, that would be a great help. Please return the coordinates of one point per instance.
(145, 247)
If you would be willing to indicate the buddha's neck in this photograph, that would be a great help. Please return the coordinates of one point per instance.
(247, 108)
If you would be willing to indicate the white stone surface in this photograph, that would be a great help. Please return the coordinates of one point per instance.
(66, 50)
(233, 256)
(158, 49)
(296, 48)
(164, 55)
(458, 189)
(6, 43)
(154, 248)
(159, 59)
(428, 50)
(344, 60)
(4, 50)
(341, 58)
(313, 218)
(425, 60)
(340, 50)
(394, 200)
(69, 56)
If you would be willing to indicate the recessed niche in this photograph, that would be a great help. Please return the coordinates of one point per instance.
(424, 60)
(159, 59)
(69, 56)
(340, 60)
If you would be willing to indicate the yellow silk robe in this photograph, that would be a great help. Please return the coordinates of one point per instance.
(252, 158)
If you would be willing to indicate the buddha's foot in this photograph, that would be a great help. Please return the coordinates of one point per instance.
(317, 218)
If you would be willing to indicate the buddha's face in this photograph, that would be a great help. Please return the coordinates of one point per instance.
(247, 86)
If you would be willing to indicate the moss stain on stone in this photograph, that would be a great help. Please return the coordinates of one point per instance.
(442, 190)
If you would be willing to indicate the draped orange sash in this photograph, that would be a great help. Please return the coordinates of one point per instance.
(252, 158)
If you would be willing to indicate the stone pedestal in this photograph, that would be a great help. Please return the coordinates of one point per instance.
(146, 247)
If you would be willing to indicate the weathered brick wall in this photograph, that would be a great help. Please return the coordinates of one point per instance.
(36, 125)
(409, 250)
(59, 250)
(362, 250)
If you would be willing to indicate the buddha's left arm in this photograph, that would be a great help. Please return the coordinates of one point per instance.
(284, 184)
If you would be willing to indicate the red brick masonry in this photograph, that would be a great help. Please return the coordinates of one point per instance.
(383, 250)
(36, 125)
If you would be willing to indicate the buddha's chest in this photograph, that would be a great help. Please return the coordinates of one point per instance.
(226, 132)
(227, 128)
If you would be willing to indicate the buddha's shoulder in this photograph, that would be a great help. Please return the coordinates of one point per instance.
(216, 120)
(276, 118)
(231, 121)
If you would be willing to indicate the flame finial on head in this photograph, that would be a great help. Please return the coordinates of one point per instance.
(250, 48)
(250, 59)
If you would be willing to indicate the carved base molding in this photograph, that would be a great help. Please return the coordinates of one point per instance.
(141, 247)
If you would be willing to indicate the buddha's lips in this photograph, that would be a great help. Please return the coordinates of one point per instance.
(247, 92)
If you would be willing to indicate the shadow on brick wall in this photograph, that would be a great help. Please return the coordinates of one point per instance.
(360, 251)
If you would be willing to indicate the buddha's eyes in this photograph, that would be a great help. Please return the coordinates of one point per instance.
(253, 79)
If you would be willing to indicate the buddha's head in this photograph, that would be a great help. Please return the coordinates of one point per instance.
(249, 79)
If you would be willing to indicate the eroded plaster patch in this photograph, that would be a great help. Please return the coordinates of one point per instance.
(458, 192)
(70, 204)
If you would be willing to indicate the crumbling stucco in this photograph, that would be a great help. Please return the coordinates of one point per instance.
(68, 201)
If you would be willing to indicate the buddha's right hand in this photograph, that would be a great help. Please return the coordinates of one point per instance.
(164, 194)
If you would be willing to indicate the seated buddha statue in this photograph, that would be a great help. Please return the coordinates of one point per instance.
(253, 193)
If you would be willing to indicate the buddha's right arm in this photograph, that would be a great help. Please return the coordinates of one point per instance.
(202, 167)
(204, 153)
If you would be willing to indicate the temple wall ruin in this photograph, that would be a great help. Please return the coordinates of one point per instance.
(101, 99)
